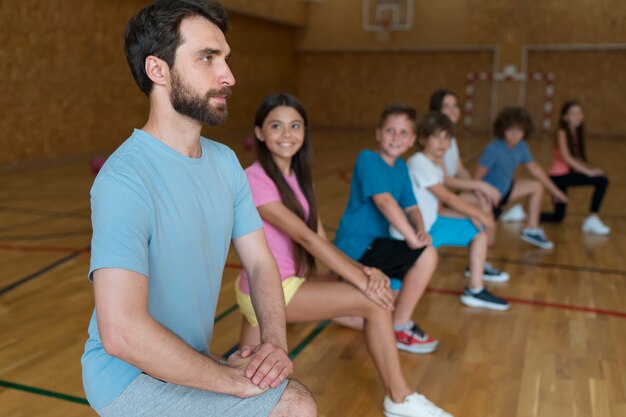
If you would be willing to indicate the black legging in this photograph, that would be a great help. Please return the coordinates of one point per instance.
(576, 179)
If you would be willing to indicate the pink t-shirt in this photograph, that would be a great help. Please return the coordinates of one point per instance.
(559, 167)
(264, 191)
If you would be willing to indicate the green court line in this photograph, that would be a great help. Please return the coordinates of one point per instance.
(44, 392)
(225, 313)
(307, 340)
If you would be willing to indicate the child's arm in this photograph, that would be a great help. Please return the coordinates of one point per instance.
(452, 200)
(468, 184)
(480, 172)
(536, 171)
(462, 172)
(390, 208)
(415, 214)
(278, 215)
(574, 163)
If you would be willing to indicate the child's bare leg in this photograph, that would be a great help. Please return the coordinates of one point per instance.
(477, 255)
(486, 208)
(249, 335)
(414, 284)
(534, 191)
(324, 300)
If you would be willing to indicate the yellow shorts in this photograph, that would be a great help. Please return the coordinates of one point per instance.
(290, 287)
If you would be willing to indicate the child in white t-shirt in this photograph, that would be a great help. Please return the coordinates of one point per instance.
(466, 230)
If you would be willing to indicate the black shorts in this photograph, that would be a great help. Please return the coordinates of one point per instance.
(391, 256)
(497, 210)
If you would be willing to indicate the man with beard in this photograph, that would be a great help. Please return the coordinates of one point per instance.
(164, 208)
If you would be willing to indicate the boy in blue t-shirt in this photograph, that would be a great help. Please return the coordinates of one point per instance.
(380, 195)
(498, 163)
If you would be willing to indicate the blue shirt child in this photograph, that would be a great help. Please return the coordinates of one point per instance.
(501, 162)
(362, 222)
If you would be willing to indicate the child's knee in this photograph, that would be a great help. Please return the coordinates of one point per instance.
(428, 258)
(536, 187)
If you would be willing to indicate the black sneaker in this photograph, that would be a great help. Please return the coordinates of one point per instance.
(490, 274)
(484, 299)
(536, 237)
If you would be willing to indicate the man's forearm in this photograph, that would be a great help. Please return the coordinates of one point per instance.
(269, 303)
(155, 350)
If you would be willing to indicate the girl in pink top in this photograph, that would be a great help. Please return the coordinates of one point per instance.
(570, 168)
(282, 189)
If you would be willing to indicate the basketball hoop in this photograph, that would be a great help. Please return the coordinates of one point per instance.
(383, 29)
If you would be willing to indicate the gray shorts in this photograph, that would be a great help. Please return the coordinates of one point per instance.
(150, 397)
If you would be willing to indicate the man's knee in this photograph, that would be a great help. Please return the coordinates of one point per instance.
(295, 401)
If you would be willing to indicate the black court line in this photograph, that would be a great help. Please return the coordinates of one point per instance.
(79, 400)
(298, 349)
(46, 218)
(44, 392)
(47, 213)
(83, 232)
(42, 271)
(538, 264)
(307, 340)
(606, 271)
(55, 196)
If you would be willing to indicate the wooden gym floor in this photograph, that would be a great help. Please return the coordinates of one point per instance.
(560, 350)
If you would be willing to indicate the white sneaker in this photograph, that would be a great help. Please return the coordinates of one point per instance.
(514, 214)
(592, 224)
(414, 405)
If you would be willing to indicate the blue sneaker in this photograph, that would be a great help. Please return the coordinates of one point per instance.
(490, 274)
(484, 299)
(536, 237)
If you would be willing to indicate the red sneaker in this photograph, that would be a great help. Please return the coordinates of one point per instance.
(415, 340)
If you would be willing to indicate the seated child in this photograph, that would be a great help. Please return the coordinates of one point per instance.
(497, 165)
(570, 168)
(433, 135)
(457, 177)
(380, 195)
(282, 189)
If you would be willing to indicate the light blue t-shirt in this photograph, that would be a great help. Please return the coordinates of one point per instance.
(501, 162)
(170, 218)
(362, 222)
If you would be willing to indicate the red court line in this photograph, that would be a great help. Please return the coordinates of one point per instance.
(537, 303)
(20, 248)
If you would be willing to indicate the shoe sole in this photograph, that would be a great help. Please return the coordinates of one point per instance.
(418, 349)
(597, 233)
(474, 302)
(512, 219)
(492, 278)
(538, 244)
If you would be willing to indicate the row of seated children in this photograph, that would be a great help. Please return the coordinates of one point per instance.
(383, 232)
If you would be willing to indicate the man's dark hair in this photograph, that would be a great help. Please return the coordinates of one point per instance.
(510, 117)
(155, 30)
(398, 109)
(432, 123)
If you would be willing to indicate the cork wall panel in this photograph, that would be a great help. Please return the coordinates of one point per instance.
(596, 78)
(349, 90)
(510, 24)
(67, 87)
(263, 61)
(291, 12)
